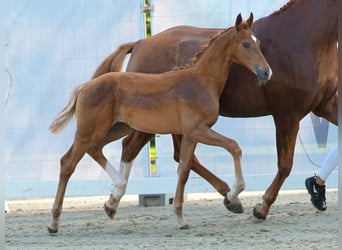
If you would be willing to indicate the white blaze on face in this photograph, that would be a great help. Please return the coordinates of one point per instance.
(254, 38)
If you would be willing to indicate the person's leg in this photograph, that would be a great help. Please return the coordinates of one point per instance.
(316, 184)
(329, 164)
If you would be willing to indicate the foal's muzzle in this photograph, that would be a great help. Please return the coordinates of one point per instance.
(263, 74)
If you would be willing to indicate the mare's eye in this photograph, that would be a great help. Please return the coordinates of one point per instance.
(245, 44)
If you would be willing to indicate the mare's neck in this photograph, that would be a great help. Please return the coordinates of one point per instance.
(305, 23)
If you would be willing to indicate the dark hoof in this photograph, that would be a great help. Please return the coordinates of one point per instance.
(110, 212)
(52, 231)
(185, 227)
(258, 215)
(235, 207)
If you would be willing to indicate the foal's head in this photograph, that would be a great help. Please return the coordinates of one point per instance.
(246, 50)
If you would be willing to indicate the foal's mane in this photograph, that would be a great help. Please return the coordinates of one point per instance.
(204, 47)
(284, 7)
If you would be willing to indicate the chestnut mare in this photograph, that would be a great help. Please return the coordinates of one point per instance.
(183, 102)
(299, 42)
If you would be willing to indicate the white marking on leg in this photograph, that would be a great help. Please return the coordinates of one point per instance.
(119, 181)
(114, 174)
(119, 190)
(238, 187)
(125, 169)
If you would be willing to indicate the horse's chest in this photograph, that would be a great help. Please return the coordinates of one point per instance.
(327, 65)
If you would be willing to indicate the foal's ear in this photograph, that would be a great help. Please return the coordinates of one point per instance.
(250, 20)
(238, 22)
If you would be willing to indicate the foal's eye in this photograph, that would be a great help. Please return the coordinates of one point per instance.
(245, 45)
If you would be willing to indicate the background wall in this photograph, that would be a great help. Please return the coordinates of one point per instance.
(52, 46)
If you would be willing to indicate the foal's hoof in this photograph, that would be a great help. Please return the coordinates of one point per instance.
(109, 211)
(235, 207)
(185, 227)
(52, 231)
(258, 214)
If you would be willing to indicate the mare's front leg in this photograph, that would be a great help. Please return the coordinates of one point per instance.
(286, 134)
(329, 110)
(186, 152)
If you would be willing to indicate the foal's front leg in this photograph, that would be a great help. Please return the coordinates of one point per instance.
(221, 186)
(208, 136)
(186, 151)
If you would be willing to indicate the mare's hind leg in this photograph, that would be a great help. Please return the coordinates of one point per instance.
(68, 165)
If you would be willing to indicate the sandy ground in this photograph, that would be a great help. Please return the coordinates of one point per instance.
(293, 223)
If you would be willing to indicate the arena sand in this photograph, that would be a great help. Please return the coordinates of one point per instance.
(292, 223)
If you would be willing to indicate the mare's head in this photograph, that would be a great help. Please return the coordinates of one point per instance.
(246, 50)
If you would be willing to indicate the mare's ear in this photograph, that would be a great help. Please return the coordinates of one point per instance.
(250, 20)
(238, 22)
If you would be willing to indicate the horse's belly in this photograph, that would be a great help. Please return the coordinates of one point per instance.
(153, 122)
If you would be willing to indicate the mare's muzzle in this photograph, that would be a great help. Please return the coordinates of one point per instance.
(263, 74)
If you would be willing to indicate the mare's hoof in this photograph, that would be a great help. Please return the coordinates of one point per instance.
(258, 215)
(235, 207)
(109, 211)
(52, 231)
(185, 227)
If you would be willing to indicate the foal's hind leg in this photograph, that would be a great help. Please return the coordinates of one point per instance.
(131, 146)
(68, 165)
(120, 182)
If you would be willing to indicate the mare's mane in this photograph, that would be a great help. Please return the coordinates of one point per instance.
(204, 47)
(284, 7)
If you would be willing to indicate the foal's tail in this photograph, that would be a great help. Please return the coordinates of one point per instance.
(113, 63)
(64, 117)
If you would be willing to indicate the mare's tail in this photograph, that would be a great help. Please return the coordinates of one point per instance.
(113, 63)
(64, 117)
